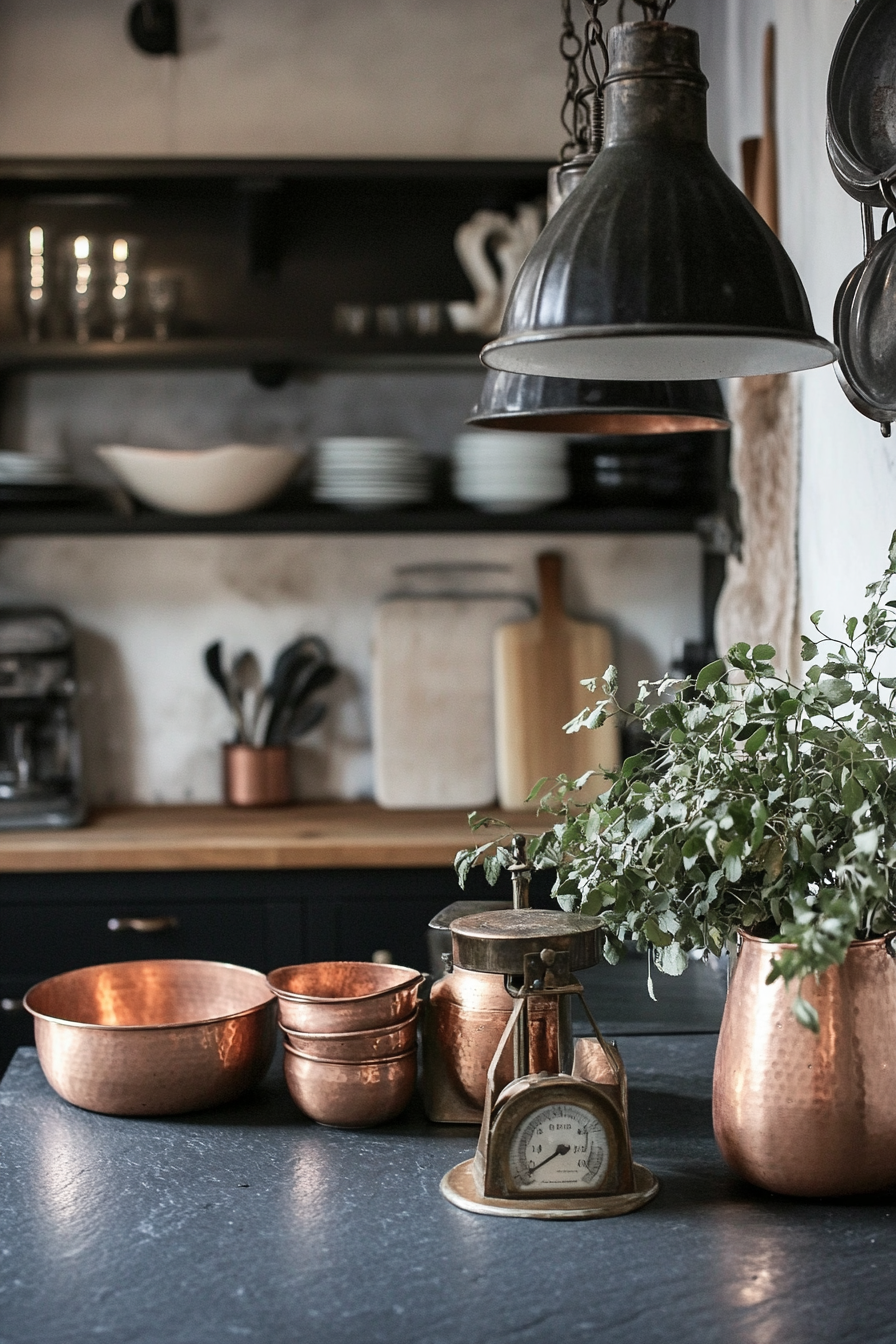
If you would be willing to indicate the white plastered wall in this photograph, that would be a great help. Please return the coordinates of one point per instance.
(848, 471)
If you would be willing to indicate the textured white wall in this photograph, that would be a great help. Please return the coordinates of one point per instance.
(848, 485)
(293, 77)
(146, 607)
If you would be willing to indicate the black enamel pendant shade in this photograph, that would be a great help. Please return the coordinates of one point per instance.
(656, 267)
(523, 401)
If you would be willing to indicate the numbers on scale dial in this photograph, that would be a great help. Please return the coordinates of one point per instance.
(559, 1145)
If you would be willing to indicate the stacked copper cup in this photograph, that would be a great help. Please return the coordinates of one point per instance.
(350, 1039)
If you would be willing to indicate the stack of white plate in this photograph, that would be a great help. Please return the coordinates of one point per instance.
(370, 473)
(503, 472)
(27, 469)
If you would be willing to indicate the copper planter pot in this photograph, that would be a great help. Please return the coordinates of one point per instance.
(802, 1114)
(153, 1037)
(256, 776)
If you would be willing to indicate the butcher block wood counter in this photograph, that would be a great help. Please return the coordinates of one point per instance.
(308, 835)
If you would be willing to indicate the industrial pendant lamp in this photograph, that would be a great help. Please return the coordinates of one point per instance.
(527, 401)
(656, 267)
(524, 401)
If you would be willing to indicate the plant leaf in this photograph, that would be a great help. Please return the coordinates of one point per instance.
(492, 867)
(756, 740)
(853, 797)
(836, 690)
(710, 674)
(805, 1014)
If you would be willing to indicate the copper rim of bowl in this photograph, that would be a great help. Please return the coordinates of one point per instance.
(150, 1026)
(412, 978)
(351, 1037)
(350, 1063)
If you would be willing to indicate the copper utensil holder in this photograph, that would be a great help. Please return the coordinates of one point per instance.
(256, 776)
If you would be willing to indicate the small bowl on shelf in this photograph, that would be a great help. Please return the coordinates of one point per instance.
(156, 1037)
(204, 481)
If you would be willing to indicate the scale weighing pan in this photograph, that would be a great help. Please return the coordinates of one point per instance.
(861, 134)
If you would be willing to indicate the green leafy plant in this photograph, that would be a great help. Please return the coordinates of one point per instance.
(756, 805)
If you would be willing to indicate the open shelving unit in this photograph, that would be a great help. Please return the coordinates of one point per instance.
(265, 250)
(319, 519)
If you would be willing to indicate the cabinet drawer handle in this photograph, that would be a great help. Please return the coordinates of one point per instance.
(158, 924)
(11, 1005)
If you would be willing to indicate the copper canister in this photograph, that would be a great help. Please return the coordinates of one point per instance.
(465, 1016)
(256, 776)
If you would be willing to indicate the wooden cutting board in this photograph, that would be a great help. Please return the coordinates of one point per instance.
(433, 700)
(539, 667)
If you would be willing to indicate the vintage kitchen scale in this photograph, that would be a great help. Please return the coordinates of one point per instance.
(554, 1143)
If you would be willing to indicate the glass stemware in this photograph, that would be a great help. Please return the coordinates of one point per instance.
(122, 282)
(82, 287)
(162, 294)
(34, 279)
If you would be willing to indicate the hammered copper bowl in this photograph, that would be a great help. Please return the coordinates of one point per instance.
(323, 997)
(356, 1047)
(153, 1037)
(350, 1095)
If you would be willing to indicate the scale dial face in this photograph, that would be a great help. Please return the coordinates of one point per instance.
(559, 1146)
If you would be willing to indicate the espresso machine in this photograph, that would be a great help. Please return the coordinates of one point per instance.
(40, 759)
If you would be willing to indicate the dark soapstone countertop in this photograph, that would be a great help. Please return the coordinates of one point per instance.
(250, 1223)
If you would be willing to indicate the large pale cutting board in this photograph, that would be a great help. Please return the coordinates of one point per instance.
(433, 700)
(539, 667)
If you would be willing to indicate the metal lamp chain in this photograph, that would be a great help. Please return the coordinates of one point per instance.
(571, 47)
(582, 114)
(595, 62)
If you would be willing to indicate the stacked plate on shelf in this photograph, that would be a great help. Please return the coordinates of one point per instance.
(370, 473)
(30, 470)
(502, 472)
(28, 481)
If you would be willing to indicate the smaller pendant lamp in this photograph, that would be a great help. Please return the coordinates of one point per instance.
(656, 267)
(527, 401)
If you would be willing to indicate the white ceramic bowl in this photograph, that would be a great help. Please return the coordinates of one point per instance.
(230, 479)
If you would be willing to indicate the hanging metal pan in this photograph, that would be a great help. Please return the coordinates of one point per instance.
(862, 99)
(846, 376)
(847, 174)
(865, 321)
